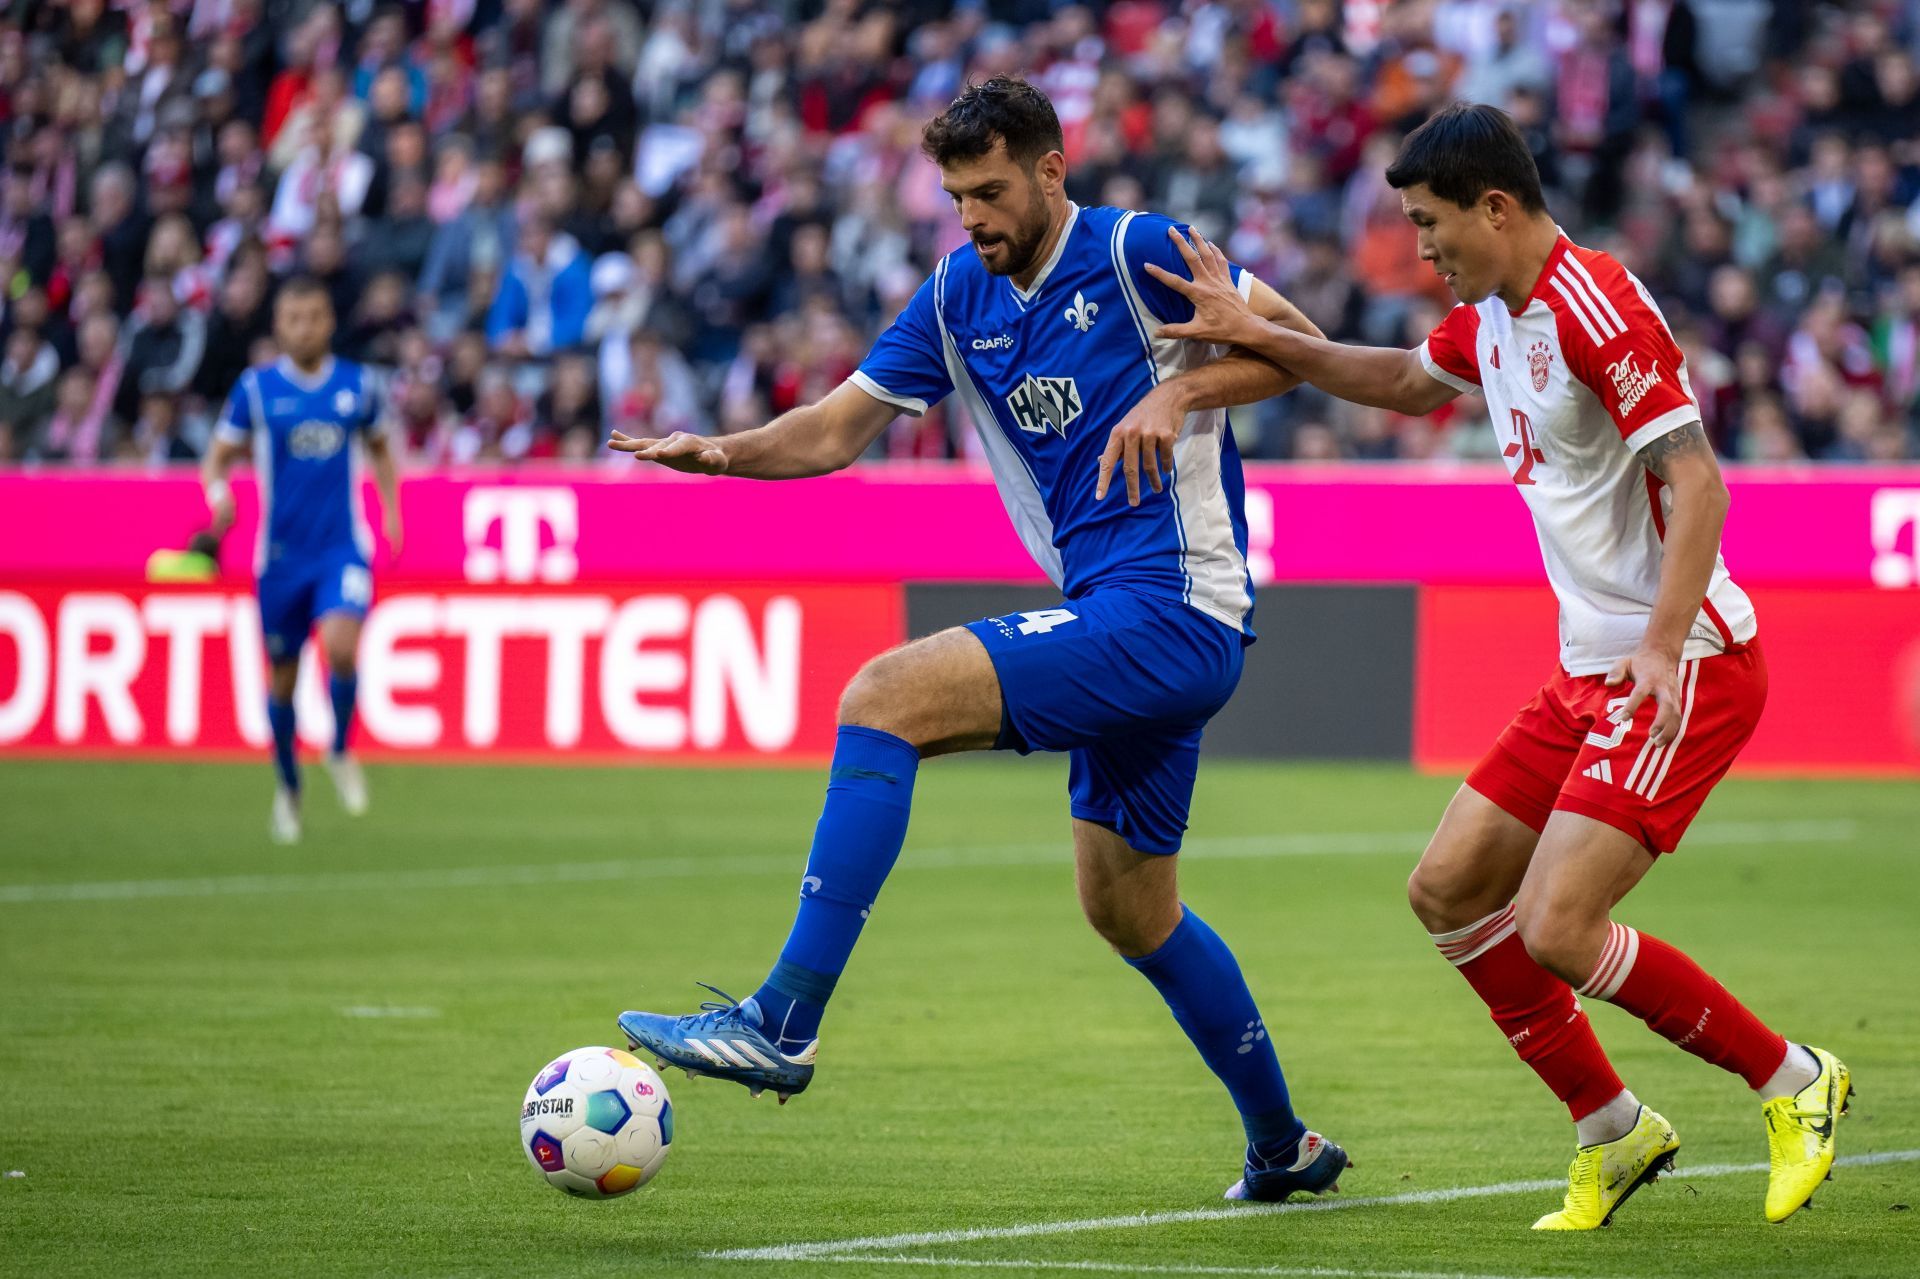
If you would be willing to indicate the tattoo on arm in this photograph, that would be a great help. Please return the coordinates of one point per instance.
(1682, 441)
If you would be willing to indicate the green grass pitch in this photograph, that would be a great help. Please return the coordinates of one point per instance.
(221, 1058)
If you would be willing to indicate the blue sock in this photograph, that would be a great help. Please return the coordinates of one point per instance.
(343, 689)
(869, 794)
(1198, 977)
(280, 716)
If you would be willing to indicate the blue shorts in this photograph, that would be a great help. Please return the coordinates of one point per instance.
(1125, 683)
(296, 593)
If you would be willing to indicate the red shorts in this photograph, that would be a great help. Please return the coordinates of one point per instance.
(1563, 752)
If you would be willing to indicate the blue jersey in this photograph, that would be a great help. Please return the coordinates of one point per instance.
(1046, 373)
(306, 433)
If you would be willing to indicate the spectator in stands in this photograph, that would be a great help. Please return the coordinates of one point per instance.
(27, 387)
(1510, 62)
(325, 257)
(165, 344)
(26, 232)
(65, 435)
(498, 428)
(544, 295)
(240, 318)
(477, 241)
(466, 361)
(568, 412)
(654, 390)
(377, 326)
(173, 252)
(158, 437)
(326, 178)
(401, 240)
(122, 229)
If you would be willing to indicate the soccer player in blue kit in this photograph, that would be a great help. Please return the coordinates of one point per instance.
(1045, 327)
(306, 418)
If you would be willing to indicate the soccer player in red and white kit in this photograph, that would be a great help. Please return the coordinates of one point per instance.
(1661, 676)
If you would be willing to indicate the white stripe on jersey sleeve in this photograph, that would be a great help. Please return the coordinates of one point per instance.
(1671, 420)
(1609, 328)
(1019, 491)
(377, 387)
(905, 403)
(1579, 311)
(1600, 294)
(230, 431)
(262, 468)
(1438, 374)
(1210, 560)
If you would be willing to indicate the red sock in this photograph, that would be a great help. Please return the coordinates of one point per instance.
(1535, 1010)
(1676, 997)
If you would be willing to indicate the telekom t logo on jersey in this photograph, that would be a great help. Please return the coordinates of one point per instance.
(522, 515)
(1894, 512)
(1524, 448)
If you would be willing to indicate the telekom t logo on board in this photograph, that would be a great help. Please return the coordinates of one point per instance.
(1896, 519)
(522, 515)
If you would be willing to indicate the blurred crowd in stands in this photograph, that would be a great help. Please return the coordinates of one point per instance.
(546, 218)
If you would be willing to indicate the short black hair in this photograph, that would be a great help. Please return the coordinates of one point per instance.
(303, 286)
(1005, 108)
(1466, 150)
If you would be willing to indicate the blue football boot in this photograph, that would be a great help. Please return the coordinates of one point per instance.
(1317, 1173)
(724, 1041)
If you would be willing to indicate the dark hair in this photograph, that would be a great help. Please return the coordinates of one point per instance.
(301, 286)
(1466, 150)
(1005, 108)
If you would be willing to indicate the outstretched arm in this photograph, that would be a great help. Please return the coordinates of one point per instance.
(1145, 437)
(1683, 461)
(815, 439)
(386, 478)
(1380, 377)
(213, 480)
(1242, 376)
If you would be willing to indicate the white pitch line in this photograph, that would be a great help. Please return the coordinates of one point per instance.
(954, 857)
(1132, 1268)
(397, 1012)
(840, 1249)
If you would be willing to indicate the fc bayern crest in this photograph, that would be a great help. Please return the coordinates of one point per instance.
(1538, 358)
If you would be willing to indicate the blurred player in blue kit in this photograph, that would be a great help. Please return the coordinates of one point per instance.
(307, 419)
(1046, 326)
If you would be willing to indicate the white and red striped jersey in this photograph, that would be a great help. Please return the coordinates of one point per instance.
(1578, 381)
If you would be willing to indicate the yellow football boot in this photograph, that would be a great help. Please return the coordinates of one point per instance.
(1800, 1136)
(1604, 1176)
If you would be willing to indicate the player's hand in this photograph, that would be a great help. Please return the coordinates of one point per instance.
(396, 534)
(1144, 437)
(1220, 314)
(1655, 675)
(220, 511)
(693, 454)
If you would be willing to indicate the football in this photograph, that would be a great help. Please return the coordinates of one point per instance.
(597, 1123)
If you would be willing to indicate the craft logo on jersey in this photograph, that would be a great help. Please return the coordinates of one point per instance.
(1000, 342)
(1630, 384)
(312, 439)
(1080, 314)
(1538, 358)
(1041, 404)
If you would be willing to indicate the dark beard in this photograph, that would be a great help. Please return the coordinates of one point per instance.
(1023, 245)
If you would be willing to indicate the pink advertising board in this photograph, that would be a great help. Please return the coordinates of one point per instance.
(892, 523)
